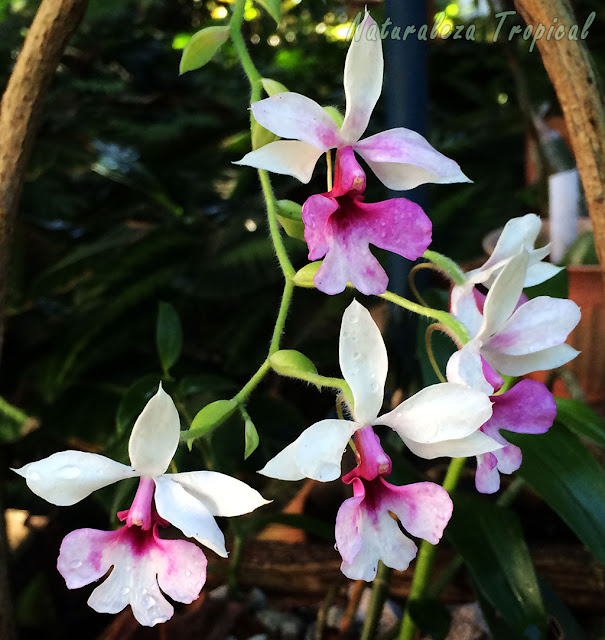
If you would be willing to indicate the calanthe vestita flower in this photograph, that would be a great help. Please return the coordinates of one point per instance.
(516, 336)
(527, 407)
(519, 234)
(340, 225)
(142, 562)
(440, 420)
(400, 158)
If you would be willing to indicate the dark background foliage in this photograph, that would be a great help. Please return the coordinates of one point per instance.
(131, 199)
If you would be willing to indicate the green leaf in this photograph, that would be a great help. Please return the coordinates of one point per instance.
(562, 471)
(168, 335)
(291, 363)
(497, 557)
(581, 419)
(272, 7)
(202, 47)
(289, 214)
(209, 417)
(304, 277)
(251, 438)
(273, 87)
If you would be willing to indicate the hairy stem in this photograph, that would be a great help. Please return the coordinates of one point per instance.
(380, 591)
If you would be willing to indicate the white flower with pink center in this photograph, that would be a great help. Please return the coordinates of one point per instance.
(440, 420)
(519, 234)
(366, 532)
(340, 225)
(142, 562)
(516, 336)
(400, 158)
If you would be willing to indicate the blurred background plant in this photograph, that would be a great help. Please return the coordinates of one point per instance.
(131, 202)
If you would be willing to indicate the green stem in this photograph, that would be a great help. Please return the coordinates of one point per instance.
(234, 563)
(278, 244)
(281, 316)
(505, 500)
(426, 557)
(446, 265)
(242, 52)
(380, 590)
(458, 329)
(247, 389)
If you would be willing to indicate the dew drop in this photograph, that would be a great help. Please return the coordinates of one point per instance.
(336, 546)
(148, 602)
(198, 586)
(69, 472)
(356, 355)
(125, 591)
(76, 564)
(187, 573)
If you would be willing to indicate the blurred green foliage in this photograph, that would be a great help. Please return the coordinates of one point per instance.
(131, 200)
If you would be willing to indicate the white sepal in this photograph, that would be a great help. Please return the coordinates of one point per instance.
(67, 477)
(155, 436)
(316, 453)
(185, 512)
(363, 361)
(440, 412)
(221, 494)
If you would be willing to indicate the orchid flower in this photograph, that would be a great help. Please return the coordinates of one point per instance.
(516, 339)
(142, 562)
(340, 225)
(519, 234)
(365, 530)
(400, 158)
(440, 420)
(528, 407)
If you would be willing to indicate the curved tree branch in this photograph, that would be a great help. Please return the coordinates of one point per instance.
(20, 112)
(574, 78)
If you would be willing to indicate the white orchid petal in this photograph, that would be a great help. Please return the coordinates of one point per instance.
(221, 494)
(364, 68)
(536, 325)
(69, 476)
(139, 588)
(540, 272)
(381, 540)
(464, 307)
(403, 159)
(315, 454)
(465, 367)
(440, 412)
(286, 157)
(544, 360)
(188, 514)
(363, 361)
(472, 445)
(292, 115)
(504, 296)
(155, 436)
(518, 234)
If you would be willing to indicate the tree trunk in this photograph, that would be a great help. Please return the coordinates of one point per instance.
(574, 78)
(20, 112)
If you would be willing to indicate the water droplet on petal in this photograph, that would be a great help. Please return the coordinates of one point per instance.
(187, 573)
(336, 546)
(68, 472)
(356, 355)
(125, 591)
(198, 586)
(76, 564)
(148, 602)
